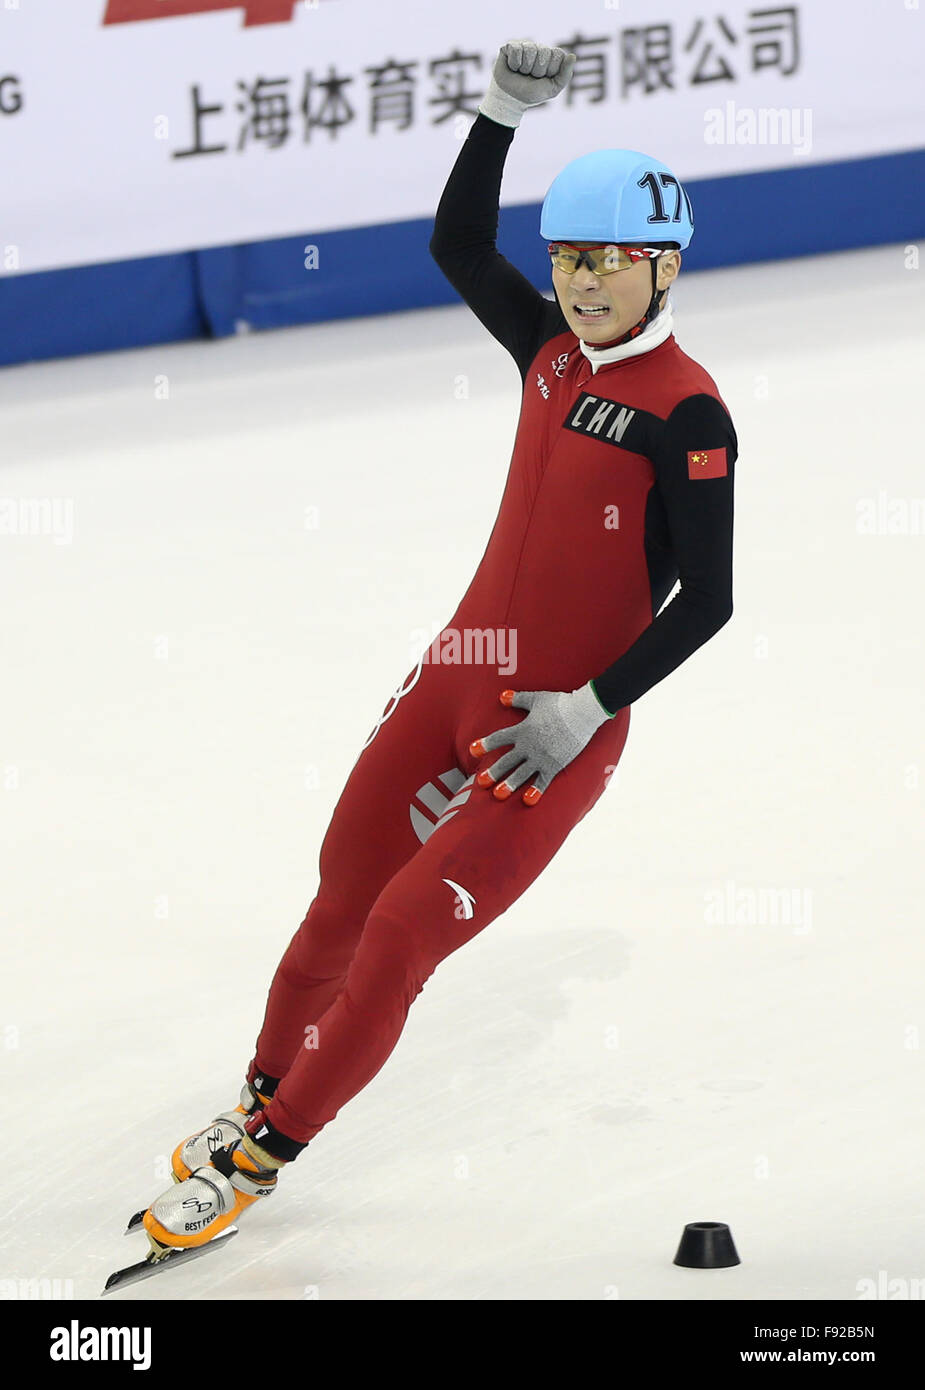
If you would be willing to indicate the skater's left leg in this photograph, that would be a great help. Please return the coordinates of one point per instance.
(467, 873)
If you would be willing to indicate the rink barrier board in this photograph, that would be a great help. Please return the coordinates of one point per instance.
(224, 290)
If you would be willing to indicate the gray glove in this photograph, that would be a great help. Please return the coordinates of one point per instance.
(525, 74)
(558, 727)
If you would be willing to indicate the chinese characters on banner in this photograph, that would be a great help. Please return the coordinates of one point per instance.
(398, 93)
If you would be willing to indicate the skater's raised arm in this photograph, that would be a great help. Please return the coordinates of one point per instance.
(466, 222)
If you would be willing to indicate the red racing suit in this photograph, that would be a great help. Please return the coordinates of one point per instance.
(620, 484)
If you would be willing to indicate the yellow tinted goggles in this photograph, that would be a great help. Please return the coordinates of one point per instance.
(600, 259)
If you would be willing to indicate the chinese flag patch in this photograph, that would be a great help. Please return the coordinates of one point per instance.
(707, 463)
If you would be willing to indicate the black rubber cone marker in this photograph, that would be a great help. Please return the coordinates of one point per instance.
(706, 1245)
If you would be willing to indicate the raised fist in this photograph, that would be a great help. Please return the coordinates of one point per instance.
(525, 73)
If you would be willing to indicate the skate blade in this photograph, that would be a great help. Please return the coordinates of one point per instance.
(156, 1263)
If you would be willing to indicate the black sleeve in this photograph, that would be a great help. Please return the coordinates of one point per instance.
(463, 245)
(699, 518)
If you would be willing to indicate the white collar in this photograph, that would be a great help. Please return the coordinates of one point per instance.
(654, 333)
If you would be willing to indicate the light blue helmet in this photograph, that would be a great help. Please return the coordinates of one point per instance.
(618, 196)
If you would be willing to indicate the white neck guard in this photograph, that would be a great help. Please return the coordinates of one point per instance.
(654, 333)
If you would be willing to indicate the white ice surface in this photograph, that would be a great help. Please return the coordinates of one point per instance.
(770, 1075)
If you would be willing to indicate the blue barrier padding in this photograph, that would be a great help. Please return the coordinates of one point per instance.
(801, 210)
(99, 308)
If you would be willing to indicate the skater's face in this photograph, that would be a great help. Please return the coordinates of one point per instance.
(625, 295)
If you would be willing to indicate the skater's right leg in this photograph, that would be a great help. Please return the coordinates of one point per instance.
(387, 809)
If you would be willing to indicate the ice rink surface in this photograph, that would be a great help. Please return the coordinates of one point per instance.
(708, 1007)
